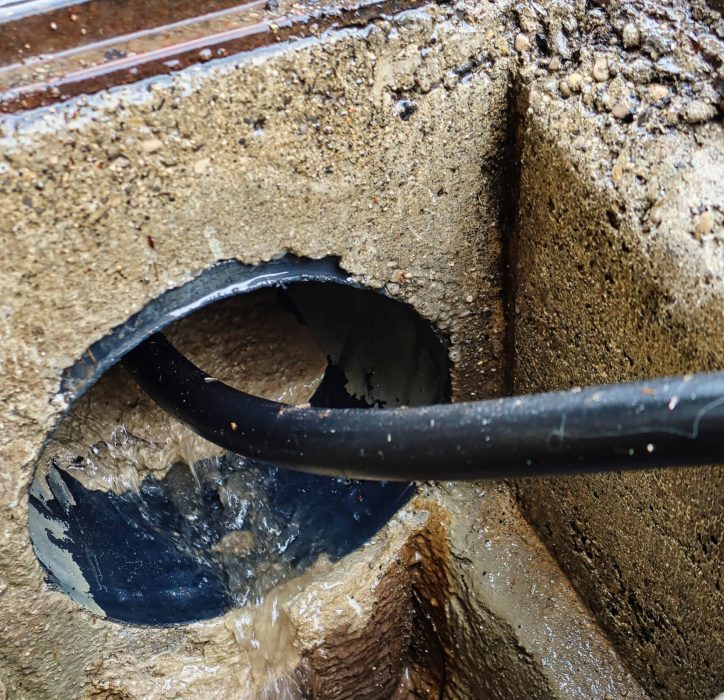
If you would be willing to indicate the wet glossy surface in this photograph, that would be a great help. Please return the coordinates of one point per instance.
(205, 537)
(86, 47)
(181, 550)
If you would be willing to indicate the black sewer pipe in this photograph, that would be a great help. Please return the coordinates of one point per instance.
(672, 421)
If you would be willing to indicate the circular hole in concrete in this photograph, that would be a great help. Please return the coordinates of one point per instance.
(142, 521)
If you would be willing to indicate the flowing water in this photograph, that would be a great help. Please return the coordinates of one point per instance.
(199, 536)
(140, 520)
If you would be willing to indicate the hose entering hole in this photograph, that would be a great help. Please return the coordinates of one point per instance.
(674, 421)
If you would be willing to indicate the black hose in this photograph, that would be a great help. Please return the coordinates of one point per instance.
(662, 422)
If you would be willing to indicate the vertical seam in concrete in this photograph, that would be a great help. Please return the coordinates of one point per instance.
(509, 215)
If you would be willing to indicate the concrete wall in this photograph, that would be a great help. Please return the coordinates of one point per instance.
(390, 147)
(617, 269)
(613, 284)
(107, 201)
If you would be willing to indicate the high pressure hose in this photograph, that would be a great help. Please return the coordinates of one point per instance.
(665, 422)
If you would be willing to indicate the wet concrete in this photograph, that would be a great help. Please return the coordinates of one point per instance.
(393, 147)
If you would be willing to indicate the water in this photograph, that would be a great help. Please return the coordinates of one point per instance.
(142, 521)
(209, 534)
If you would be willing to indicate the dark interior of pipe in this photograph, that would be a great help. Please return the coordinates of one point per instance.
(222, 531)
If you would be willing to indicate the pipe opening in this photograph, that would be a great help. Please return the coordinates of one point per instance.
(140, 520)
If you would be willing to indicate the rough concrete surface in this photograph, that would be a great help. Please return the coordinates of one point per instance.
(620, 275)
(394, 147)
(645, 549)
(299, 149)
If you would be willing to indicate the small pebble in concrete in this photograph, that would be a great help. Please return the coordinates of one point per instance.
(561, 44)
(555, 64)
(621, 109)
(704, 225)
(405, 109)
(699, 111)
(667, 66)
(631, 36)
(658, 92)
(151, 145)
(641, 71)
(600, 70)
(400, 277)
(522, 43)
(575, 82)
(114, 151)
(565, 90)
(201, 166)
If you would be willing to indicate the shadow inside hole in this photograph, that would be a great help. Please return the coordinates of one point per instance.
(223, 530)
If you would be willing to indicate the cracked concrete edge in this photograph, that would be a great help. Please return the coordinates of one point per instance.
(510, 623)
(303, 635)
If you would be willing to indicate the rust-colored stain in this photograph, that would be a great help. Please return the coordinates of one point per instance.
(32, 28)
(166, 49)
(366, 663)
(427, 559)
(402, 646)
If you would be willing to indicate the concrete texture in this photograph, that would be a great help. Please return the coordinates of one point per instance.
(393, 146)
(620, 275)
(509, 625)
(107, 201)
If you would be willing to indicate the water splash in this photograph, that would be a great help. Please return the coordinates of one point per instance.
(205, 537)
